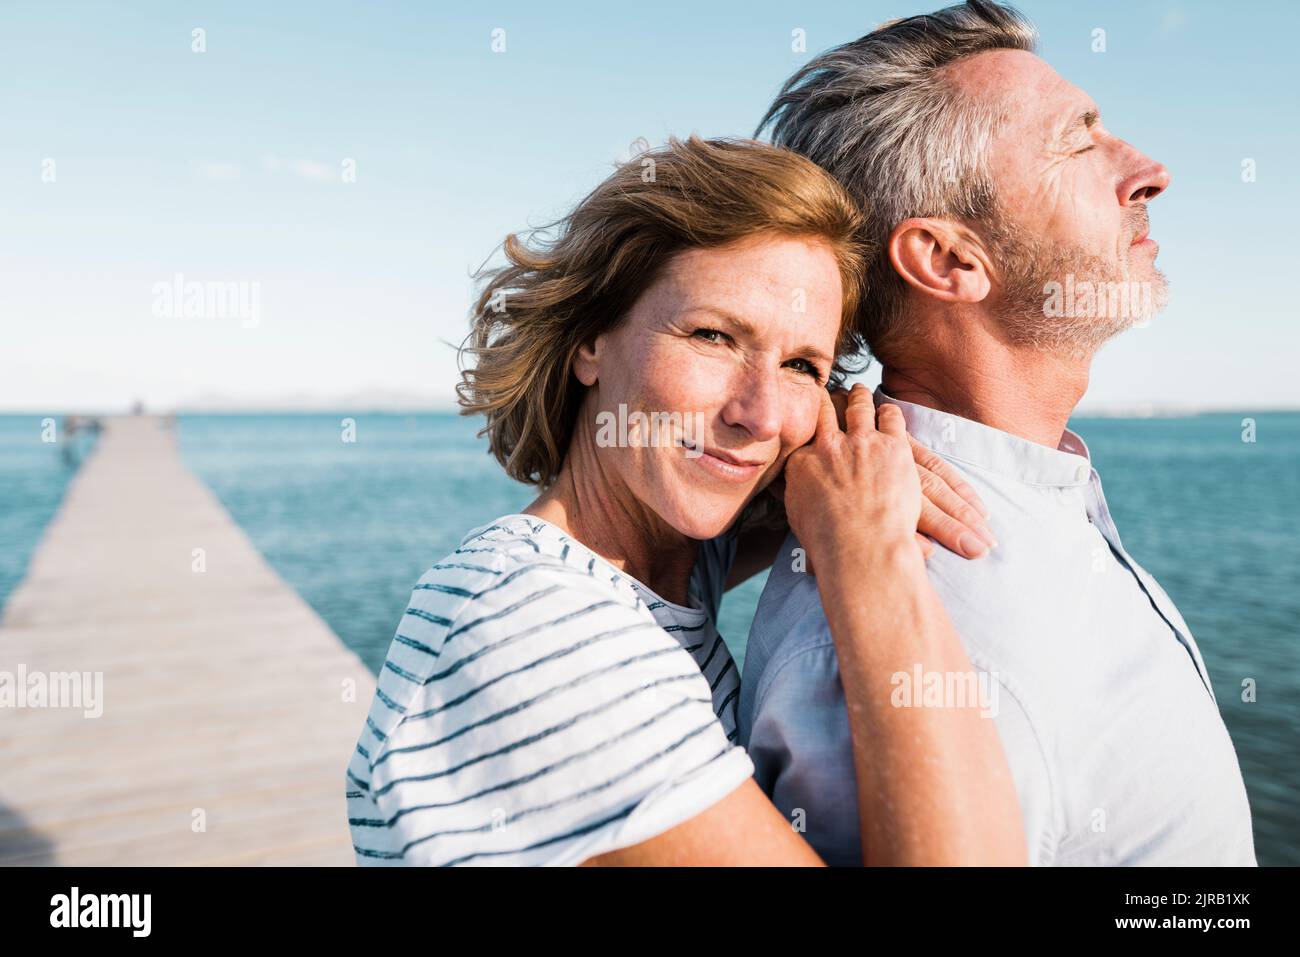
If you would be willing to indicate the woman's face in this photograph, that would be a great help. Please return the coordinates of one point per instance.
(725, 357)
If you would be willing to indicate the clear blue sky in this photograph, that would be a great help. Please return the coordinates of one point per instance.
(226, 166)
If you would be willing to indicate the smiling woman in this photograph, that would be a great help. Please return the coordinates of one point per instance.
(557, 691)
(534, 316)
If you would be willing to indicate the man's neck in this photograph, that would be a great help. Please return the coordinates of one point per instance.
(1025, 393)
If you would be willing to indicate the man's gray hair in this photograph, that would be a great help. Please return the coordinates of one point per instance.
(883, 117)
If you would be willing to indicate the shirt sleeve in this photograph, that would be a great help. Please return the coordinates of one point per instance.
(802, 753)
(559, 722)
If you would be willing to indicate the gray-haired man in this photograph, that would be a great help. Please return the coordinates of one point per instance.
(991, 185)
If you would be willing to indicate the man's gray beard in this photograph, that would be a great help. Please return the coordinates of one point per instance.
(1029, 265)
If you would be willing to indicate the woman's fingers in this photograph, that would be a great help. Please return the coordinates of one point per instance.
(927, 546)
(828, 424)
(859, 410)
(840, 397)
(940, 494)
(946, 514)
(933, 462)
(950, 533)
(889, 419)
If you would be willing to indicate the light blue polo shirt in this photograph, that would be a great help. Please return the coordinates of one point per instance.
(1101, 698)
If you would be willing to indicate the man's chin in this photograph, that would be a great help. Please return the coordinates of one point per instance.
(1153, 300)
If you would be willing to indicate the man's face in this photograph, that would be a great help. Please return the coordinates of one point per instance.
(1072, 206)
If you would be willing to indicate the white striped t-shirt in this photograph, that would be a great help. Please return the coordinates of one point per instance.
(540, 707)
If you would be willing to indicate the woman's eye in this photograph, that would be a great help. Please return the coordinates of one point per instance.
(803, 365)
(1085, 149)
(710, 335)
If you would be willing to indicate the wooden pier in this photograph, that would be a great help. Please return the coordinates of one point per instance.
(229, 708)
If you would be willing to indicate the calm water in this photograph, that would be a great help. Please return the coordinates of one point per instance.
(34, 474)
(353, 525)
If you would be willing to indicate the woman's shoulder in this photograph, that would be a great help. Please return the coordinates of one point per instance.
(539, 704)
(512, 578)
(523, 539)
(518, 555)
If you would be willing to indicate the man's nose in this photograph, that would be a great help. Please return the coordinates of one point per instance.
(755, 404)
(1147, 179)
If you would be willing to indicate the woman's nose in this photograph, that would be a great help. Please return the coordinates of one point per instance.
(754, 404)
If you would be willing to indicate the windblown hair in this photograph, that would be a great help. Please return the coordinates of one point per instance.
(882, 115)
(578, 277)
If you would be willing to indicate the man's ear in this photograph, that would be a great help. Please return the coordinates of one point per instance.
(586, 361)
(940, 258)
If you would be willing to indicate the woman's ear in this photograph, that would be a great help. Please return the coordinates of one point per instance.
(586, 361)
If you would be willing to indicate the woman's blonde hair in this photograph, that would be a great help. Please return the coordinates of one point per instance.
(560, 292)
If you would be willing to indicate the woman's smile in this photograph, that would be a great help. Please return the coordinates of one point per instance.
(730, 467)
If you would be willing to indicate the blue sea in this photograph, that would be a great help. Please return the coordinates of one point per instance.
(353, 525)
(34, 473)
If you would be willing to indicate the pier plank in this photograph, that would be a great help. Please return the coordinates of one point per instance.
(221, 688)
